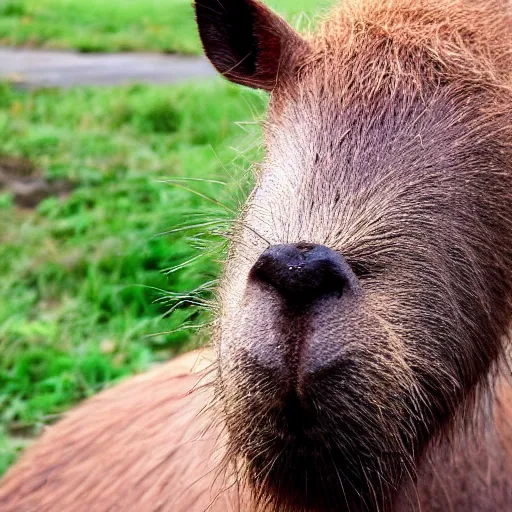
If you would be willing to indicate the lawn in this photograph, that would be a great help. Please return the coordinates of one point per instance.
(117, 25)
(88, 282)
(113, 276)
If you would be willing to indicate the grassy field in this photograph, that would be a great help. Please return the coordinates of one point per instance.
(117, 25)
(91, 284)
(85, 281)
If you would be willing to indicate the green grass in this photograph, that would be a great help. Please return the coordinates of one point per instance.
(83, 281)
(116, 25)
(89, 293)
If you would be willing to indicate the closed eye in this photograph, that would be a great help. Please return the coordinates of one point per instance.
(364, 269)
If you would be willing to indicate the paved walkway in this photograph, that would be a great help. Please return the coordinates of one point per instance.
(46, 68)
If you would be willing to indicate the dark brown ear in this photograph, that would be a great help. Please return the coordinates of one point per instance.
(247, 42)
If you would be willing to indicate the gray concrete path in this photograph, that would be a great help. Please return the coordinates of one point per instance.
(46, 68)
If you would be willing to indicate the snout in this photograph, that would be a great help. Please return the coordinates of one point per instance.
(298, 301)
(305, 371)
(303, 274)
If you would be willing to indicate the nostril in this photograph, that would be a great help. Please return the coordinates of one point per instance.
(302, 273)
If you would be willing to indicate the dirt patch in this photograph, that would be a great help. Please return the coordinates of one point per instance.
(19, 176)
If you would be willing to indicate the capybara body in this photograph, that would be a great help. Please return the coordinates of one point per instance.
(362, 345)
(143, 446)
(148, 445)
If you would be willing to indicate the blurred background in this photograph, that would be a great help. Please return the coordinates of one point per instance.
(119, 175)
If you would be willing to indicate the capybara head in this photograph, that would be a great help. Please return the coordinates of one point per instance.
(366, 297)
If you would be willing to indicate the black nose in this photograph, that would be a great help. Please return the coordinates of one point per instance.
(303, 273)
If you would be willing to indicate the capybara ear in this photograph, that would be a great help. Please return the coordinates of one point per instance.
(247, 42)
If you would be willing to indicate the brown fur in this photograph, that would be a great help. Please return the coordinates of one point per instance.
(143, 446)
(389, 142)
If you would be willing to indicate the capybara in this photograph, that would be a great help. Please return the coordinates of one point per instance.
(361, 348)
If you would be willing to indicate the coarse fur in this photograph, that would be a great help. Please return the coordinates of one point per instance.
(144, 445)
(389, 141)
(148, 445)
